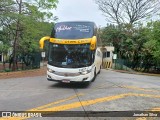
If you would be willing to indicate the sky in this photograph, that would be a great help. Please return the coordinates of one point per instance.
(70, 10)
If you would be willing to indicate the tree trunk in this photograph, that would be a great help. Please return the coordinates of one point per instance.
(15, 45)
(4, 65)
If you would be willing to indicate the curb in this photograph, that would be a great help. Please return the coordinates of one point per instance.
(18, 72)
(136, 73)
(25, 73)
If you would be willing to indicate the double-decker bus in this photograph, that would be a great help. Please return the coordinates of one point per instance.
(74, 52)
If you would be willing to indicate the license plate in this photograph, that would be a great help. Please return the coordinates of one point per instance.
(66, 81)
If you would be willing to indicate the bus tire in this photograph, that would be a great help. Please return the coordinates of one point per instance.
(94, 75)
(99, 70)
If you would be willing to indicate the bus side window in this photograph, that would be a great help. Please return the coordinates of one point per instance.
(93, 55)
(98, 54)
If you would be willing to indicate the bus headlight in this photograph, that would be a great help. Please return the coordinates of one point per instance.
(85, 72)
(50, 70)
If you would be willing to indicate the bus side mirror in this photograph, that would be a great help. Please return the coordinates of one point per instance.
(93, 43)
(41, 42)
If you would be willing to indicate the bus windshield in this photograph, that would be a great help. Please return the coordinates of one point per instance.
(70, 56)
(73, 30)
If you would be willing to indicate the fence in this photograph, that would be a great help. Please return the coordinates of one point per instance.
(123, 64)
(28, 61)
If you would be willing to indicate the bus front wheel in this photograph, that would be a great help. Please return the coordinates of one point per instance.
(99, 69)
(94, 75)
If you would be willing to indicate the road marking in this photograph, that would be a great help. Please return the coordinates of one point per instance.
(141, 118)
(72, 105)
(155, 109)
(137, 88)
(57, 102)
(44, 106)
(84, 103)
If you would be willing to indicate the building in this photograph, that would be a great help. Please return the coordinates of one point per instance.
(107, 56)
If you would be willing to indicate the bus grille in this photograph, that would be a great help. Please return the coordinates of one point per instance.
(67, 74)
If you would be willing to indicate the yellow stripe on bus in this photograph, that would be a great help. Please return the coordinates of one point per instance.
(75, 41)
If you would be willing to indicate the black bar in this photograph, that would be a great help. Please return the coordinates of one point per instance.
(83, 113)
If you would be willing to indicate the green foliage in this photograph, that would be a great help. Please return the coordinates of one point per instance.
(7, 70)
(153, 45)
(31, 36)
(139, 45)
(113, 35)
(23, 23)
(4, 48)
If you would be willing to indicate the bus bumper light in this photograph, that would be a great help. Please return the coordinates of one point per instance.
(85, 78)
(49, 76)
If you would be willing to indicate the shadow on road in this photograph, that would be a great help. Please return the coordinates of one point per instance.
(70, 85)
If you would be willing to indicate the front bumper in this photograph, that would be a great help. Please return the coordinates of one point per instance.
(61, 81)
(80, 78)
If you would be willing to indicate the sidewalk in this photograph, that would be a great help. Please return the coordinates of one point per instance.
(26, 73)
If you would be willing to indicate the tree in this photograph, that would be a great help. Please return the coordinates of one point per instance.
(17, 15)
(127, 11)
(152, 46)
(129, 43)
(112, 35)
(32, 35)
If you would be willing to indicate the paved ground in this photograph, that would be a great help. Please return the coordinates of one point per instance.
(112, 91)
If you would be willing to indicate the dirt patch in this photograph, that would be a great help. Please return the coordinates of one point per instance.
(26, 73)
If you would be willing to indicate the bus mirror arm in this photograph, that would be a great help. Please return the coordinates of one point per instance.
(93, 43)
(41, 42)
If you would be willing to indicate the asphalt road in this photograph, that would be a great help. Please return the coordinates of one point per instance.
(111, 91)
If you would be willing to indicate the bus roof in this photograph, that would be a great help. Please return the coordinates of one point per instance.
(77, 22)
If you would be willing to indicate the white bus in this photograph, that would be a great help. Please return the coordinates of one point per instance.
(74, 52)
